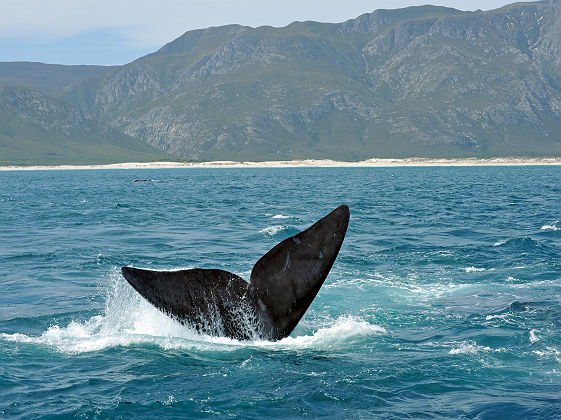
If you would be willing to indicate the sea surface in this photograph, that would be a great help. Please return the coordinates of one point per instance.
(444, 302)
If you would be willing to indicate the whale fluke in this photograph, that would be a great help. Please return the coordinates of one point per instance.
(211, 301)
(282, 285)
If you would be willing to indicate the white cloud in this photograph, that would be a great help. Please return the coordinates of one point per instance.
(149, 23)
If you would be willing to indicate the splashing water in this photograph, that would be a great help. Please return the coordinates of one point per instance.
(130, 320)
(273, 230)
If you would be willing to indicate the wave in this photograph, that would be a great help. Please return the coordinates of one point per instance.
(129, 320)
(549, 353)
(469, 347)
(533, 337)
(552, 227)
(523, 243)
(273, 230)
(280, 216)
(344, 328)
(409, 285)
(473, 269)
(278, 229)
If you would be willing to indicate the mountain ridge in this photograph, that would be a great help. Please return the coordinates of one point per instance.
(47, 78)
(424, 81)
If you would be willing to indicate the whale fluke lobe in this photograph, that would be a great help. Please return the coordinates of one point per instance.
(288, 277)
(282, 285)
(208, 300)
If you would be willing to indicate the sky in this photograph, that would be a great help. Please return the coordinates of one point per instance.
(110, 32)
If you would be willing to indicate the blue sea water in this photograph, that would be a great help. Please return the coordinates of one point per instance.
(444, 302)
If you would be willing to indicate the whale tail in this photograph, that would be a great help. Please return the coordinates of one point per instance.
(282, 285)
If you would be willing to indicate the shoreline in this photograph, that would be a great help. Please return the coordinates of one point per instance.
(307, 163)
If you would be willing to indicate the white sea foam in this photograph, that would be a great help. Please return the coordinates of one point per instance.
(499, 243)
(473, 269)
(170, 401)
(280, 216)
(533, 336)
(343, 329)
(469, 347)
(434, 290)
(552, 227)
(549, 353)
(502, 317)
(129, 320)
(273, 230)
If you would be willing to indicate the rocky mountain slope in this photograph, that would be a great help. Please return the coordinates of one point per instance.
(421, 81)
(37, 129)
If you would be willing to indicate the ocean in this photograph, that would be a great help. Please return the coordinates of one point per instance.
(444, 301)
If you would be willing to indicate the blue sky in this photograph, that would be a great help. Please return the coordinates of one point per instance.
(118, 31)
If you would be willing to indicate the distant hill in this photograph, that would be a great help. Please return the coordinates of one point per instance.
(421, 81)
(47, 78)
(36, 129)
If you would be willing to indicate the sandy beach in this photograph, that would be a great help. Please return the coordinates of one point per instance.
(508, 161)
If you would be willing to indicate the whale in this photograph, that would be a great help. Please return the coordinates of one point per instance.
(282, 285)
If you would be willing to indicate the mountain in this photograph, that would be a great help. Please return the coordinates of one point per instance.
(37, 129)
(47, 78)
(421, 81)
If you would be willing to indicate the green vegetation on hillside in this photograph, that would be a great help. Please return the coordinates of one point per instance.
(421, 81)
(38, 130)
